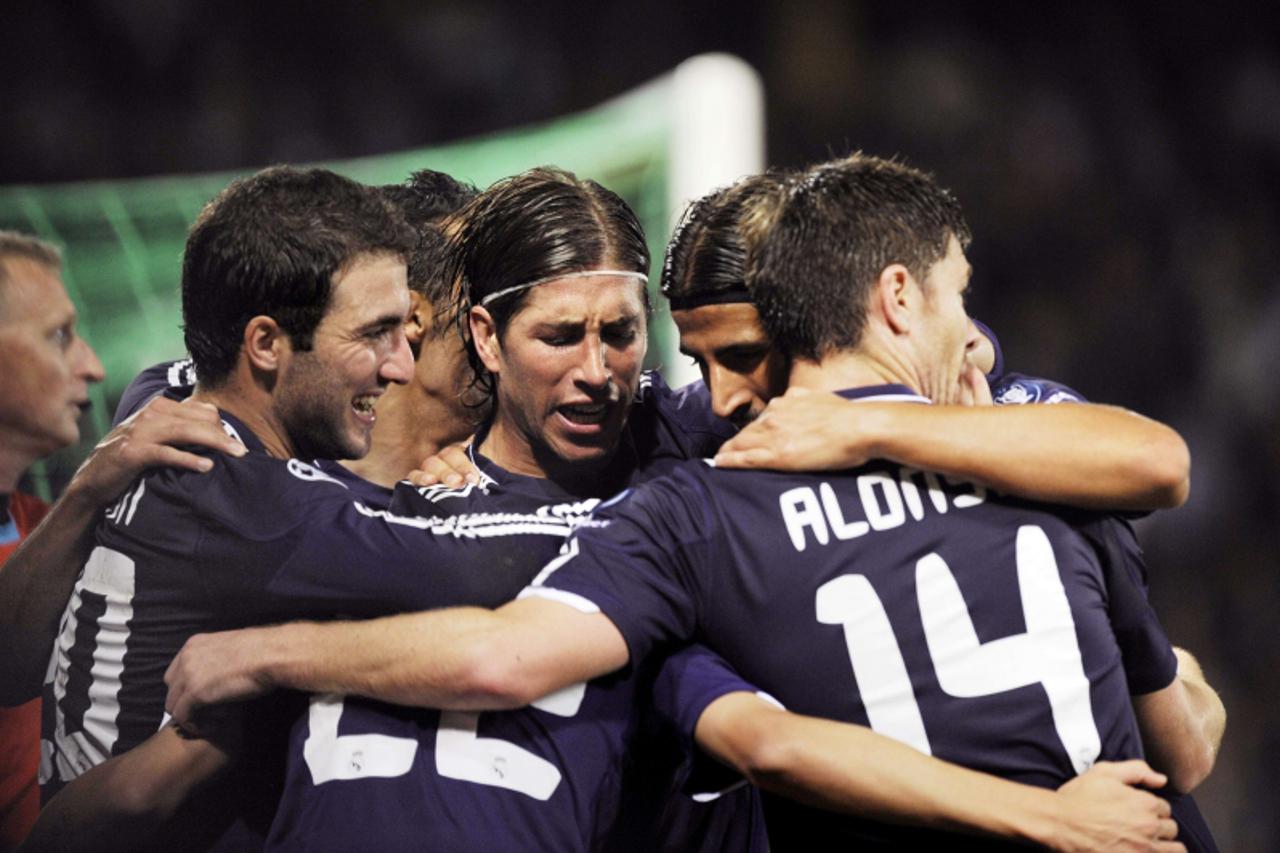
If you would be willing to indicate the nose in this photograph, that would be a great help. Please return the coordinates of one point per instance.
(593, 369)
(88, 366)
(398, 366)
(730, 397)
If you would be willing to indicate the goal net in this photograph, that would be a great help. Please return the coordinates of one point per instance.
(698, 127)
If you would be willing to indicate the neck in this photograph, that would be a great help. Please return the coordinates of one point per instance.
(508, 447)
(874, 362)
(412, 425)
(253, 408)
(13, 463)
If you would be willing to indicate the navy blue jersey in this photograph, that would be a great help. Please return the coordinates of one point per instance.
(254, 540)
(1016, 389)
(971, 626)
(562, 774)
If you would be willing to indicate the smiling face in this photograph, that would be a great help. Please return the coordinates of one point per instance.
(567, 365)
(44, 384)
(739, 364)
(326, 395)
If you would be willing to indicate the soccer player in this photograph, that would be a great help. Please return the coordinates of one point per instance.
(802, 431)
(294, 302)
(530, 397)
(646, 579)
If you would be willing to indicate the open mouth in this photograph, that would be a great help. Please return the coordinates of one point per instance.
(363, 406)
(585, 414)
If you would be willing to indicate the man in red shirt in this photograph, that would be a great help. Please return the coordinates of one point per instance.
(45, 374)
(44, 386)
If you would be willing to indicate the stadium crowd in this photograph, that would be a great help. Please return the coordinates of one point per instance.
(872, 620)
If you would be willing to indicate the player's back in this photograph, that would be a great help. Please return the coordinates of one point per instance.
(545, 777)
(968, 625)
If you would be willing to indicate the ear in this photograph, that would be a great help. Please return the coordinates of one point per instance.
(896, 295)
(265, 344)
(484, 336)
(419, 321)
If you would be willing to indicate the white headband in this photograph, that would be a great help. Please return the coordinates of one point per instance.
(639, 276)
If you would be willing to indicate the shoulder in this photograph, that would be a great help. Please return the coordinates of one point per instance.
(1017, 389)
(685, 412)
(175, 378)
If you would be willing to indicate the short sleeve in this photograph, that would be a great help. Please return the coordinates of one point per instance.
(641, 560)
(1148, 657)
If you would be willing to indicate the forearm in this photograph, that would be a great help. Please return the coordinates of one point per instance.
(851, 769)
(465, 658)
(35, 583)
(1182, 725)
(1079, 454)
(411, 659)
(127, 802)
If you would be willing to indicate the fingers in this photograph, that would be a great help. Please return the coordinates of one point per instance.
(1168, 847)
(1134, 772)
(974, 390)
(754, 457)
(452, 466)
(1167, 830)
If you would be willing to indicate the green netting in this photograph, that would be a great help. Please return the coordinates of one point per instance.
(123, 239)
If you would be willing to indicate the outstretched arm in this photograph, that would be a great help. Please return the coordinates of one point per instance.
(465, 658)
(1182, 725)
(852, 769)
(126, 802)
(1097, 457)
(36, 581)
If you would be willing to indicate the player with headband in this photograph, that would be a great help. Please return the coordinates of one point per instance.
(558, 356)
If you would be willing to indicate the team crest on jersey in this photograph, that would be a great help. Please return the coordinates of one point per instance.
(182, 374)
(1014, 395)
(231, 431)
(310, 473)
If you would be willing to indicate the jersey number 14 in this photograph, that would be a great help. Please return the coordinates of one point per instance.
(1046, 654)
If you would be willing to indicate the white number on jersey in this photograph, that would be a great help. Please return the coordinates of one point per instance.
(1046, 654)
(460, 753)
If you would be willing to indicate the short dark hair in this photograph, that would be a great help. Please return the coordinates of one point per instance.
(16, 245)
(539, 224)
(706, 259)
(271, 244)
(817, 246)
(428, 199)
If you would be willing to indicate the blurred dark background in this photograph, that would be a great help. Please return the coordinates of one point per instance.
(1118, 164)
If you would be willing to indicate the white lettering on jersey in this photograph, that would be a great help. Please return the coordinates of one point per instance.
(460, 752)
(463, 755)
(331, 756)
(886, 503)
(123, 509)
(800, 509)
(111, 575)
(1048, 653)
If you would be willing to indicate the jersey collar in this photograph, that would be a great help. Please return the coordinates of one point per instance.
(235, 428)
(883, 394)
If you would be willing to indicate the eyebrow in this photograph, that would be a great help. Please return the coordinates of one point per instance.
(387, 322)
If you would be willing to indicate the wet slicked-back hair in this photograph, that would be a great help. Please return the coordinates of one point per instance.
(539, 224)
(816, 247)
(706, 258)
(271, 244)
